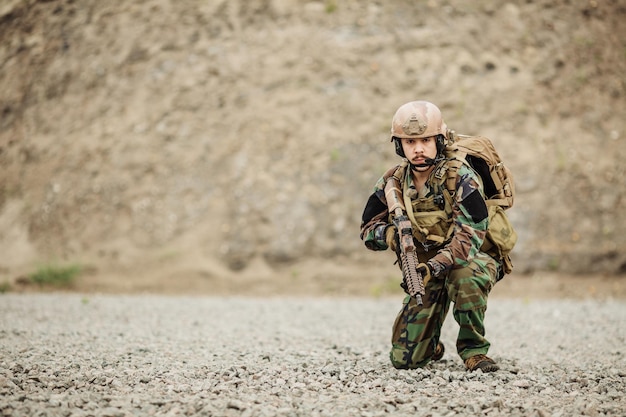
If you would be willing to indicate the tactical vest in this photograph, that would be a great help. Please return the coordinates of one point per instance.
(431, 217)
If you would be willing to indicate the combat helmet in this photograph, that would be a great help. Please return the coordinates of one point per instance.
(418, 119)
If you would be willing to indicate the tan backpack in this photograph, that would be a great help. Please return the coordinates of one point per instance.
(479, 153)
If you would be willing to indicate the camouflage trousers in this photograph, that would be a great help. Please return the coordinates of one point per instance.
(417, 329)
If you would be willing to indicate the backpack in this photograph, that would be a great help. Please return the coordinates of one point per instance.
(479, 153)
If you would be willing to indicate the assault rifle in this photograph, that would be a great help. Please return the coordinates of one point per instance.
(407, 256)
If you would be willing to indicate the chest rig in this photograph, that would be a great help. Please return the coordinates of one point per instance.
(430, 210)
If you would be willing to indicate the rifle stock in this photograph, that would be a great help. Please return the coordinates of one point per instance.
(407, 256)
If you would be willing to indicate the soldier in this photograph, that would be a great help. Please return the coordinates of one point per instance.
(448, 230)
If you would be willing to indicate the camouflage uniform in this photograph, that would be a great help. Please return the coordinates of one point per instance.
(468, 273)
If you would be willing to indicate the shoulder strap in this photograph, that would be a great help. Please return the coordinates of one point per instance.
(397, 171)
(453, 164)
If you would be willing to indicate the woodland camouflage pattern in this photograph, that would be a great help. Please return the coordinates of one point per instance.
(469, 273)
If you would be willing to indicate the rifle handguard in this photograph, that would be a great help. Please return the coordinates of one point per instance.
(408, 259)
(407, 253)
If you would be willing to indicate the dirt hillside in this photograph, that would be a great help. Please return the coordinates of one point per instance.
(164, 143)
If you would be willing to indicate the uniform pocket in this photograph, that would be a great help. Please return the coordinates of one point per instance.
(431, 226)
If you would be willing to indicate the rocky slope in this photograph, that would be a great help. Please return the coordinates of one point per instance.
(181, 138)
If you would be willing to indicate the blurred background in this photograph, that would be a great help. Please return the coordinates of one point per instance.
(230, 146)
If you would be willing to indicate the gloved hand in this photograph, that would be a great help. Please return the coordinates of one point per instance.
(424, 270)
(391, 237)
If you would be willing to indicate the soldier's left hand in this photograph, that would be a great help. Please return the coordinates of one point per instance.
(424, 270)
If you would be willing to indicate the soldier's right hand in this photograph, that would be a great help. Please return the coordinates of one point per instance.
(391, 237)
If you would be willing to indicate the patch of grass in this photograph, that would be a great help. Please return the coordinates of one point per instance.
(331, 6)
(561, 159)
(169, 255)
(5, 287)
(553, 264)
(581, 78)
(55, 275)
(391, 285)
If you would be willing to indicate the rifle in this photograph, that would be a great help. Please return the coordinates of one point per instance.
(407, 255)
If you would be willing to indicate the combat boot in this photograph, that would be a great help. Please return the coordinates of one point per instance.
(439, 351)
(482, 362)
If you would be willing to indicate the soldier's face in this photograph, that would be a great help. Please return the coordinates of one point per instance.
(418, 151)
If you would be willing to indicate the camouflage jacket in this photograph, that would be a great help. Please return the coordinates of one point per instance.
(460, 221)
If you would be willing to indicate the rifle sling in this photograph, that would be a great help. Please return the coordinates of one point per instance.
(408, 208)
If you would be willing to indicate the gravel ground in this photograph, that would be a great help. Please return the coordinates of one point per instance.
(74, 355)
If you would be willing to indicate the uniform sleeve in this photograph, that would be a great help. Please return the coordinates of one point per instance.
(471, 220)
(375, 217)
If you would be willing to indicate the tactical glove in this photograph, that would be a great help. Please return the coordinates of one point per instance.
(391, 237)
(436, 269)
(424, 270)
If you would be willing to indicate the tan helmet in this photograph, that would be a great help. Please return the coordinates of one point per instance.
(417, 119)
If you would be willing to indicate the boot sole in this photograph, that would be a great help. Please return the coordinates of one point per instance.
(491, 367)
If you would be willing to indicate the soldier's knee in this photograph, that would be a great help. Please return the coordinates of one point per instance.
(405, 359)
(399, 365)
(399, 358)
